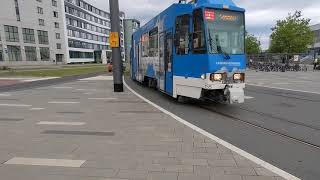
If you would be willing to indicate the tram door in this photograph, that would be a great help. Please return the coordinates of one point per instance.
(162, 72)
(168, 45)
(137, 56)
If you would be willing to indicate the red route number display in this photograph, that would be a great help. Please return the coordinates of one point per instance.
(209, 15)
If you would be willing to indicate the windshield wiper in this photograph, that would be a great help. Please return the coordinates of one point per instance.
(210, 41)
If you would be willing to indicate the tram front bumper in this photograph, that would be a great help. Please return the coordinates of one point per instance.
(234, 95)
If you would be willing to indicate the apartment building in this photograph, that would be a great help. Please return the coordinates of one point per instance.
(88, 29)
(31, 32)
(36, 32)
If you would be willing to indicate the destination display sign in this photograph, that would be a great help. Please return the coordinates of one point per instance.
(222, 15)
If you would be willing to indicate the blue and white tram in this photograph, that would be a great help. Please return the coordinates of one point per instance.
(194, 50)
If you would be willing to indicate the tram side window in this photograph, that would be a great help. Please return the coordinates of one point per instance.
(153, 43)
(198, 43)
(182, 35)
(145, 45)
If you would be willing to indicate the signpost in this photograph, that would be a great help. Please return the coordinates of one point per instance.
(115, 45)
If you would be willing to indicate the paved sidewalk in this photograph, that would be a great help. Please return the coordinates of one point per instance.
(83, 131)
(5, 81)
(300, 81)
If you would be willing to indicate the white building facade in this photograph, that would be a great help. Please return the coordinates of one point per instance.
(32, 32)
(37, 32)
(88, 29)
(316, 45)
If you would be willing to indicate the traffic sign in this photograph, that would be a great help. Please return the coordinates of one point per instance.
(114, 40)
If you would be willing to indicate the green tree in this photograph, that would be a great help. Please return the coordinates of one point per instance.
(252, 44)
(291, 35)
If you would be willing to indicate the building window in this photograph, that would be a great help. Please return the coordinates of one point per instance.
(56, 25)
(41, 22)
(12, 34)
(14, 53)
(16, 4)
(78, 55)
(58, 46)
(44, 54)
(54, 3)
(43, 37)
(28, 35)
(31, 53)
(55, 14)
(58, 36)
(59, 57)
(1, 53)
(40, 10)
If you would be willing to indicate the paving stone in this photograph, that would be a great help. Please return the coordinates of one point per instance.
(258, 178)
(222, 163)
(132, 174)
(239, 171)
(213, 156)
(179, 168)
(264, 172)
(246, 163)
(198, 162)
(201, 170)
(186, 176)
(162, 176)
(226, 177)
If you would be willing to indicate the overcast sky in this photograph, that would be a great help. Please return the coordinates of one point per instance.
(261, 14)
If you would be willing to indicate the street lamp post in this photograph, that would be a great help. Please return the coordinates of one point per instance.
(114, 40)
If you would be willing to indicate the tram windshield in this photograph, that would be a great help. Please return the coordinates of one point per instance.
(225, 31)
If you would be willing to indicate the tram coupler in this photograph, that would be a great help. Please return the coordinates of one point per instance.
(234, 95)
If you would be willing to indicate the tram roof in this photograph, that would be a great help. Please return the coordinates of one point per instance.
(180, 8)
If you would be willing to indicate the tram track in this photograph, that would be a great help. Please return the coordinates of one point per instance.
(265, 129)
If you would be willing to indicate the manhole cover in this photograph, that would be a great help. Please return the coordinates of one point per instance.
(85, 133)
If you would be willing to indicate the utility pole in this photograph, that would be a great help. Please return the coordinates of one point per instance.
(115, 45)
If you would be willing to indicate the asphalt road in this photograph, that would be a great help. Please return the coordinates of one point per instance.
(294, 115)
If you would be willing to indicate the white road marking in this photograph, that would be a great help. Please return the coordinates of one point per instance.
(281, 83)
(102, 98)
(16, 105)
(248, 97)
(61, 123)
(86, 90)
(45, 162)
(88, 93)
(62, 102)
(36, 109)
(5, 95)
(62, 87)
(39, 79)
(295, 90)
(241, 152)
(99, 78)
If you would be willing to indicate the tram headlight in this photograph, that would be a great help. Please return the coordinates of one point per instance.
(239, 76)
(216, 77)
(203, 76)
